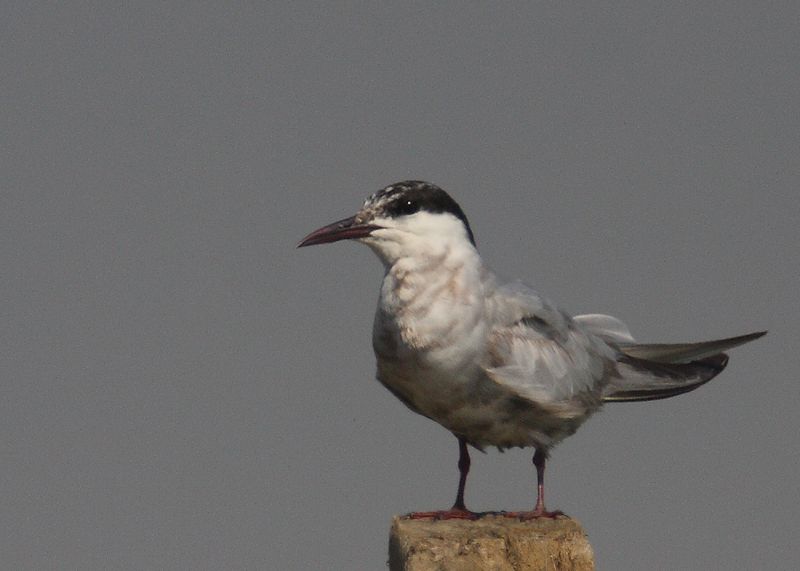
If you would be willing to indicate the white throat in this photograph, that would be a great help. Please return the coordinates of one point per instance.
(433, 288)
(422, 236)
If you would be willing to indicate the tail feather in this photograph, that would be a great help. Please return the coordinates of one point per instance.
(658, 371)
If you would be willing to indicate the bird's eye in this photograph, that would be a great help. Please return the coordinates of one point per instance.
(405, 207)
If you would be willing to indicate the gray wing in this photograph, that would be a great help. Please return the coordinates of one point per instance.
(615, 332)
(608, 328)
(548, 357)
(651, 371)
(541, 353)
(687, 352)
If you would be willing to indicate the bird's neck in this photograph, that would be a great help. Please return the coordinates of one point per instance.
(444, 271)
(429, 296)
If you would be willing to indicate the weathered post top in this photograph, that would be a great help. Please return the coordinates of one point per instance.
(490, 543)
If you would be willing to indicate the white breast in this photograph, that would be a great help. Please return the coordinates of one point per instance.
(430, 330)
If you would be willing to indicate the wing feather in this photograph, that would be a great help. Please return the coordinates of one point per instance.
(606, 327)
(686, 352)
(542, 355)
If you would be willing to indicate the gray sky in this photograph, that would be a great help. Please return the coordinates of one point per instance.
(181, 388)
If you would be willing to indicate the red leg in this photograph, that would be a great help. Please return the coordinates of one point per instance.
(539, 460)
(463, 469)
(459, 510)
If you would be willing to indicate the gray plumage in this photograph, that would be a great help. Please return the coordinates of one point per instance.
(497, 364)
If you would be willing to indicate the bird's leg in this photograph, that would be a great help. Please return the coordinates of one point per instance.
(463, 469)
(539, 460)
(459, 510)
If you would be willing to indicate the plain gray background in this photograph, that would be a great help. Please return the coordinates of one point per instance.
(183, 389)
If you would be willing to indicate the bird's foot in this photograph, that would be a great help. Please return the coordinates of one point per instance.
(533, 514)
(452, 513)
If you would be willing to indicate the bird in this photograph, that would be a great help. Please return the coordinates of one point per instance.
(497, 364)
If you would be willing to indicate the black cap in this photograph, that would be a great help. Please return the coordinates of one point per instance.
(411, 196)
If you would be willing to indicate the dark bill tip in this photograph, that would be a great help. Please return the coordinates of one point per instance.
(342, 230)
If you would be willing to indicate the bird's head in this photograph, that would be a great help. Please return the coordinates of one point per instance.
(403, 219)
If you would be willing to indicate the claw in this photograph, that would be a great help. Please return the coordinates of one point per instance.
(452, 513)
(534, 514)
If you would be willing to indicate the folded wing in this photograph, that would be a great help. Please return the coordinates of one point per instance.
(662, 370)
(548, 357)
(543, 355)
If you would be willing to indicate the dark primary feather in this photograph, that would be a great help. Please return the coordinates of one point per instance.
(662, 370)
(641, 380)
(686, 352)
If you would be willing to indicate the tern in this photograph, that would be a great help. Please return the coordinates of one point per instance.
(496, 363)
